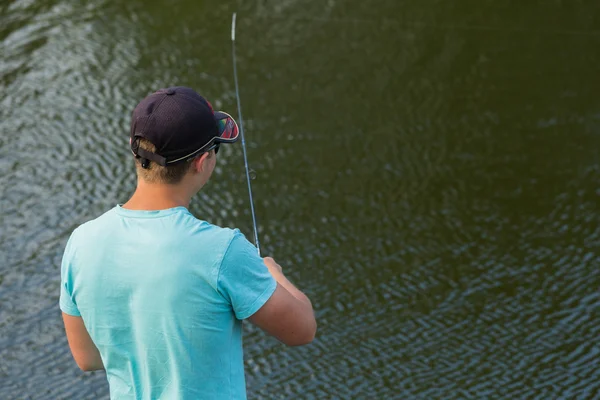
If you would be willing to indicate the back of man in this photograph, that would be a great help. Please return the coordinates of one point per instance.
(156, 290)
(155, 296)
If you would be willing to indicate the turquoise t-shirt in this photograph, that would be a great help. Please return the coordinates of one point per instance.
(162, 295)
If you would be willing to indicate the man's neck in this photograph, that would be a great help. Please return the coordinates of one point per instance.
(157, 196)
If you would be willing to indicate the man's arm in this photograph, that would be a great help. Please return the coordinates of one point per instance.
(288, 314)
(84, 350)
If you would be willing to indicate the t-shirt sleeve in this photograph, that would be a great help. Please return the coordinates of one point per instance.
(67, 304)
(244, 279)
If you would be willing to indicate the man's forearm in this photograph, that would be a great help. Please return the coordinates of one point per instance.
(289, 286)
(276, 272)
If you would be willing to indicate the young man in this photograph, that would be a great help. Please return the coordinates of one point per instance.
(155, 296)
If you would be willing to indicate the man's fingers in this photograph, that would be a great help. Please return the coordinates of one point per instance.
(271, 263)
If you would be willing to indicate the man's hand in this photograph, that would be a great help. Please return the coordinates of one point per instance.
(272, 265)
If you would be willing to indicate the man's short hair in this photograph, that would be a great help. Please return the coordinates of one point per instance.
(171, 174)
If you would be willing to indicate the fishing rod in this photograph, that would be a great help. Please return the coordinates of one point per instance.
(239, 107)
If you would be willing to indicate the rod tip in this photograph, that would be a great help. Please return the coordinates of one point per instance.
(233, 27)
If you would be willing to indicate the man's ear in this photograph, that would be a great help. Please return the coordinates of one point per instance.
(199, 163)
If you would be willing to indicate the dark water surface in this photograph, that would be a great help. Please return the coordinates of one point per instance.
(428, 172)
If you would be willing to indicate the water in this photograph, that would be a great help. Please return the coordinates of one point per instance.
(429, 173)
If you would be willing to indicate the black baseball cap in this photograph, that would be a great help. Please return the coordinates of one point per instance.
(181, 124)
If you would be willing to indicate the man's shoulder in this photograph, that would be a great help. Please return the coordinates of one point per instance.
(230, 241)
(86, 233)
(97, 222)
(199, 229)
(225, 234)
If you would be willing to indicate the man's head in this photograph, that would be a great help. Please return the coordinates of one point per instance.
(175, 131)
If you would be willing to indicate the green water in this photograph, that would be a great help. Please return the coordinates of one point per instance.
(428, 172)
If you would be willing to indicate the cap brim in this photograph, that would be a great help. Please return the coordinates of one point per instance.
(227, 128)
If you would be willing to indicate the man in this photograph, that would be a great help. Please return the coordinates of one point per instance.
(155, 296)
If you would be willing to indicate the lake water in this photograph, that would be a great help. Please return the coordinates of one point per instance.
(428, 172)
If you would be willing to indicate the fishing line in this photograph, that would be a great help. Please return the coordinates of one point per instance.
(239, 107)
